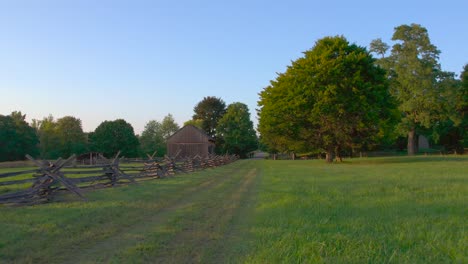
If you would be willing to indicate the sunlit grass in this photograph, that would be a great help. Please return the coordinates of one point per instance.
(370, 210)
(397, 210)
(64, 227)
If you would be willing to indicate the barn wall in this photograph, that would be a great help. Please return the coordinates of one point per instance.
(189, 134)
(188, 150)
(191, 141)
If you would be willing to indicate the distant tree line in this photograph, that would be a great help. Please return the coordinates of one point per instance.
(338, 99)
(52, 138)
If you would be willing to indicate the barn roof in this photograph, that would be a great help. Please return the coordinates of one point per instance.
(191, 129)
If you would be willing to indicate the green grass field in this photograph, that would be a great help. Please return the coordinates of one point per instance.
(376, 210)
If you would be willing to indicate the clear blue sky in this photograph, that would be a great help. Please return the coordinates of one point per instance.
(140, 60)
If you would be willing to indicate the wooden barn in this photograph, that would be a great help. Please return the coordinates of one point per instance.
(190, 141)
(90, 158)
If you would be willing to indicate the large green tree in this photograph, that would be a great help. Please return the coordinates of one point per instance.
(17, 138)
(168, 126)
(462, 105)
(237, 131)
(334, 98)
(60, 138)
(155, 135)
(152, 139)
(72, 139)
(113, 136)
(209, 110)
(49, 140)
(8, 136)
(413, 71)
(452, 132)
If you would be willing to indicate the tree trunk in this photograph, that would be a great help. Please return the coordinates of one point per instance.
(412, 144)
(329, 156)
(338, 154)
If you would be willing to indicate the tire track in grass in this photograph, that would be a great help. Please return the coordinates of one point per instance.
(236, 242)
(204, 241)
(134, 234)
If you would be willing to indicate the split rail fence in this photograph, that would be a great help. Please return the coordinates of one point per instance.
(39, 185)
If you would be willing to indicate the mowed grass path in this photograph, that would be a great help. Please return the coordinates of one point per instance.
(380, 210)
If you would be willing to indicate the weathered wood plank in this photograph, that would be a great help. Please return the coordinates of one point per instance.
(82, 172)
(9, 174)
(15, 195)
(88, 179)
(5, 183)
(53, 171)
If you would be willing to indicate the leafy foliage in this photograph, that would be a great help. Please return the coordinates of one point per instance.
(197, 123)
(209, 110)
(60, 138)
(379, 47)
(113, 136)
(17, 138)
(417, 83)
(48, 138)
(156, 133)
(237, 131)
(452, 132)
(168, 126)
(462, 104)
(414, 70)
(414, 66)
(71, 137)
(152, 140)
(334, 98)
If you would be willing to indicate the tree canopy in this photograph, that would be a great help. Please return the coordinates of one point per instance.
(60, 138)
(72, 139)
(17, 138)
(462, 105)
(168, 126)
(334, 98)
(237, 131)
(156, 133)
(152, 139)
(209, 111)
(379, 47)
(113, 136)
(453, 132)
(197, 123)
(416, 81)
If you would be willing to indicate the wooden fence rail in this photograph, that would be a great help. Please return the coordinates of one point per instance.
(9, 174)
(51, 177)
